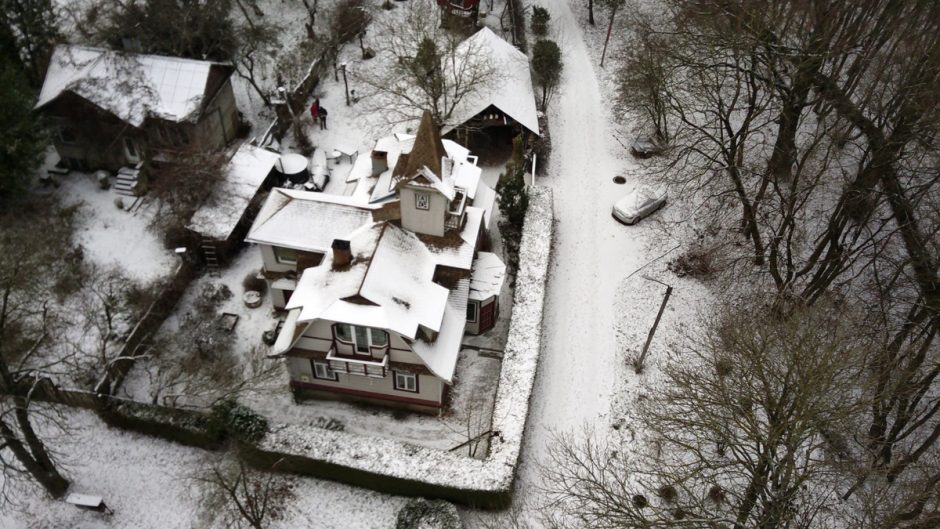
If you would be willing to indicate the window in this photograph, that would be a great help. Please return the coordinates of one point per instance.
(422, 201)
(406, 381)
(471, 312)
(285, 255)
(322, 371)
(362, 338)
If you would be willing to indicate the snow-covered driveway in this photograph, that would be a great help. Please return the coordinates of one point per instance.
(581, 365)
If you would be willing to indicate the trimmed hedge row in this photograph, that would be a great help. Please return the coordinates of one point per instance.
(186, 427)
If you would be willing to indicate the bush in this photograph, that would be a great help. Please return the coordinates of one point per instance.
(697, 261)
(349, 20)
(240, 421)
(540, 19)
(255, 283)
(546, 68)
(668, 493)
(430, 514)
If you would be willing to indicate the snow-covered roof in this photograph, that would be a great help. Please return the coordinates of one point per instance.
(462, 169)
(489, 271)
(305, 220)
(441, 355)
(459, 253)
(512, 94)
(130, 86)
(246, 172)
(391, 269)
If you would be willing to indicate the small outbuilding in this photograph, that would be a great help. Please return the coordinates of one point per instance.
(486, 282)
(502, 109)
(222, 222)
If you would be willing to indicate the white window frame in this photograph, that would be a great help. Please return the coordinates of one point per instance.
(370, 342)
(476, 312)
(405, 377)
(327, 372)
(426, 198)
(282, 260)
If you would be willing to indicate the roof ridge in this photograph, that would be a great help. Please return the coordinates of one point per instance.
(365, 275)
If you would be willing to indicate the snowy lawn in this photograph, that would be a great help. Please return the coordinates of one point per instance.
(147, 482)
(112, 237)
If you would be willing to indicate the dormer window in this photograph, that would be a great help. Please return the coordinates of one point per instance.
(423, 201)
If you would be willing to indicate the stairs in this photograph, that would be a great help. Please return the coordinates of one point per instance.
(212, 257)
(126, 183)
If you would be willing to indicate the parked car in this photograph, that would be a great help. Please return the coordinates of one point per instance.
(639, 203)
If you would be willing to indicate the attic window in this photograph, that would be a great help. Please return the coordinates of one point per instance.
(67, 135)
(422, 201)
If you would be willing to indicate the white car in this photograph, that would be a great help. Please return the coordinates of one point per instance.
(639, 203)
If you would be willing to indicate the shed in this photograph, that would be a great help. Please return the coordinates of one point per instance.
(222, 222)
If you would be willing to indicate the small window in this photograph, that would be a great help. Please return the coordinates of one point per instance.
(471, 312)
(422, 201)
(285, 255)
(342, 332)
(406, 381)
(322, 371)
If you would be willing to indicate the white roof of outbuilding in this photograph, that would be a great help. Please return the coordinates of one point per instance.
(511, 93)
(305, 220)
(489, 271)
(246, 172)
(130, 86)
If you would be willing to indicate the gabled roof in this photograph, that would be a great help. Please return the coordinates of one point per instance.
(130, 86)
(304, 220)
(245, 173)
(391, 269)
(512, 94)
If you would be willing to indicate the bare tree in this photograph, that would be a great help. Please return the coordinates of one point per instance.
(32, 246)
(241, 496)
(745, 431)
(426, 68)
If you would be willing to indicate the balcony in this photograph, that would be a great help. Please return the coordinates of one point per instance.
(354, 366)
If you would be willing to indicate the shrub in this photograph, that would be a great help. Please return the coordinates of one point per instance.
(640, 501)
(253, 282)
(697, 261)
(667, 493)
(716, 494)
(432, 514)
(240, 421)
(546, 68)
(349, 20)
(540, 19)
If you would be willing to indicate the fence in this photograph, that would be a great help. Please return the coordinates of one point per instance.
(152, 319)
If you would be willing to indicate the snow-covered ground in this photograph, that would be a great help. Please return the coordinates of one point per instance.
(148, 484)
(113, 237)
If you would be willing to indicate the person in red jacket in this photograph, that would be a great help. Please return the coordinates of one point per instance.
(315, 110)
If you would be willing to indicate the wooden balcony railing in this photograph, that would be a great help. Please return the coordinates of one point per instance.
(355, 366)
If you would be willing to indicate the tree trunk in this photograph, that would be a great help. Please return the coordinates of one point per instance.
(35, 460)
(591, 12)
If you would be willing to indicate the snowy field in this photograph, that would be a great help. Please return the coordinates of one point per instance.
(148, 484)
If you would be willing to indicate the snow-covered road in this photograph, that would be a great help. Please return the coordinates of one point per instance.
(581, 364)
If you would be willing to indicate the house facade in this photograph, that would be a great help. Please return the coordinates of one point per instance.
(112, 109)
(379, 313)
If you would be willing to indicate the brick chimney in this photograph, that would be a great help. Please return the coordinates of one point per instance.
(342, 255)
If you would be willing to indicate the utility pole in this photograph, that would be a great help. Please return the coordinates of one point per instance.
(345, 81)
(638, 363)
